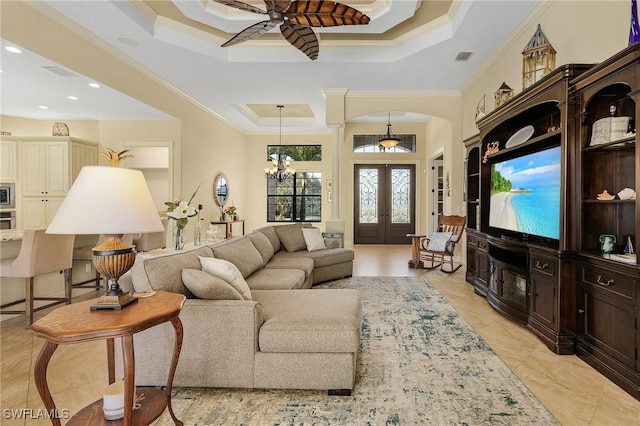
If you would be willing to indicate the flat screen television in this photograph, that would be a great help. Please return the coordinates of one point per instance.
(525, 197)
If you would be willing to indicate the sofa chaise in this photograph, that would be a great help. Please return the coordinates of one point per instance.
(285, 335)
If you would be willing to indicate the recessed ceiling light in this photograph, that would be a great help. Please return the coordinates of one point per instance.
(13, 49)
(43, 107)
(127, 41)
(94, 85)
(73, 98)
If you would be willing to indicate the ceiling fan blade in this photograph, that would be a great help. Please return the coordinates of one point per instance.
(302, 38)
(242, 6)
(251, 32)
(277, 5)
(324, 13)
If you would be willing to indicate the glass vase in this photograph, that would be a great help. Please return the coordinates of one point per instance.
(178, 238)
(197, 234)
(634, 30)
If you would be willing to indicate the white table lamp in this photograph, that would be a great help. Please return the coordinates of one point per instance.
(110, 201)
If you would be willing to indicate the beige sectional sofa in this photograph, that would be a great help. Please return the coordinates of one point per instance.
(286, 335)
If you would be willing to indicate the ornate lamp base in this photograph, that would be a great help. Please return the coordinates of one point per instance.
(111, 259)
(114, 303)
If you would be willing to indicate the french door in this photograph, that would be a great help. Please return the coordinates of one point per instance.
(384, 203)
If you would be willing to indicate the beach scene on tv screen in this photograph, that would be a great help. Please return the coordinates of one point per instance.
(525, 194)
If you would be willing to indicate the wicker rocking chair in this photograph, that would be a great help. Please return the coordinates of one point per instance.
(438, 249)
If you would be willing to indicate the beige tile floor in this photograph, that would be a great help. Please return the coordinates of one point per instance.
(575, 393)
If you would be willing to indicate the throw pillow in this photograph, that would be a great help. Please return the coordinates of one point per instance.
(242, 253)
(205, 286)
(313, 239)
(263, 245)
(228, 272)
(438, 241)
(270, 233)
(291, 237)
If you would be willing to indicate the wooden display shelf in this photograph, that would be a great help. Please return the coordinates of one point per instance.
(594, 201)
(619, 144)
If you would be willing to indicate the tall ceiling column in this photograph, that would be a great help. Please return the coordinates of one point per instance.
(335, 176)
(335, 117)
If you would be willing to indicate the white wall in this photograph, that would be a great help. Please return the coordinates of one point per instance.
(580, 31)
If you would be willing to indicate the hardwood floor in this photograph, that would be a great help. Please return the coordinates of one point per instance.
(574, 393)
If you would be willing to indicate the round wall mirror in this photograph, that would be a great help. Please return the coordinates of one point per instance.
(220, 189)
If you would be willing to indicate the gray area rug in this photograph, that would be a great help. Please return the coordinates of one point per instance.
(420, 363)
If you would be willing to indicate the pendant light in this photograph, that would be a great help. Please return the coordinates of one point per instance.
(281, 168)
(389, 140)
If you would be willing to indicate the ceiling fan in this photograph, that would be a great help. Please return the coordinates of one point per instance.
(295, 18)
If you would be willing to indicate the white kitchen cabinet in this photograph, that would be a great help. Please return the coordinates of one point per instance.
(37, 212)
(8, 159)
(48, 168)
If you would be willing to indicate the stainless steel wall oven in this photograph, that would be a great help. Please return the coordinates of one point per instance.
(7, 195)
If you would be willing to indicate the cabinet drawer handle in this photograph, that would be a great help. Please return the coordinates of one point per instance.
(602, 283)
(541, 265)
(581, 311)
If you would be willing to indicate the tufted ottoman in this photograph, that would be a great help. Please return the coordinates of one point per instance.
(309, 339)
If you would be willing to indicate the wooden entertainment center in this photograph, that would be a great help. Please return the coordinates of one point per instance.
(573, 296)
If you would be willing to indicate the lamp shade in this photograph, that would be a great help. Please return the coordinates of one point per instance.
(107, 200)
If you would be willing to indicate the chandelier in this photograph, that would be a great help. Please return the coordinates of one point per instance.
(281, 168)
(389, 140)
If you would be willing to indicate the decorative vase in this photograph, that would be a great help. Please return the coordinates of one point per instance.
(178, 238)
(196, 236)
(634, 30)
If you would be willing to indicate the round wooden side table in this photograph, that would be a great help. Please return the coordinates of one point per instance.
(415, 251)
(75, 323)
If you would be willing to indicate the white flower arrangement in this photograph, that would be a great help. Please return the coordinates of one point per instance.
(181, 211)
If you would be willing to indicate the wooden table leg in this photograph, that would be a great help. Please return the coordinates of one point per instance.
(129, 376)
(415, 253)
(40, 375)
(177, 326)
(111, 362)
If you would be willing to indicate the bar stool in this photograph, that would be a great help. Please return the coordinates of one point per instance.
(40, 254)
(152, 240)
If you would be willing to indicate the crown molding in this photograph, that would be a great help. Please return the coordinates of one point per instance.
(402, 93)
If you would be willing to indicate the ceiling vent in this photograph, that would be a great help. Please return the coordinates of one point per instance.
(57, 70)
(463, 56)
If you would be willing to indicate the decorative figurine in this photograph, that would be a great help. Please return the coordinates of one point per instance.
(628, 249)
(605, 196)
(607, 243)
